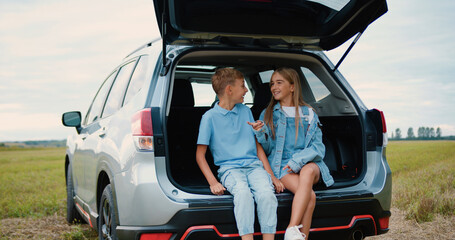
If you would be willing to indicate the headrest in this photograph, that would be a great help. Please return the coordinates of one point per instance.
(261, 99)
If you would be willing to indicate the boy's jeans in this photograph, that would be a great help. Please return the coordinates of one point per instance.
(244, 184)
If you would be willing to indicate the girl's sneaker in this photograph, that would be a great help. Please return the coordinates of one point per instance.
(293, 233)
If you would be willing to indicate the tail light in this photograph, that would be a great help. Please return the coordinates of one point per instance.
(384, 128)
(142, 130)
(379, 138)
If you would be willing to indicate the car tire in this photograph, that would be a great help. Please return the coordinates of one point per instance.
(107, 219)
(72, 215)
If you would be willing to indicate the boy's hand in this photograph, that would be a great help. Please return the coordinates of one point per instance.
(217, 189)
(279, 186)
(256, 125)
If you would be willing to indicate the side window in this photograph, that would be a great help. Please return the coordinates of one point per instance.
(115, 97)
(265, 76)
(318, 88)
(94, 111)
(203, 94)
(248, 100)
(137, 80)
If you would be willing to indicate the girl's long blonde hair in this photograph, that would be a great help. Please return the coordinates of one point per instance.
(292, 77)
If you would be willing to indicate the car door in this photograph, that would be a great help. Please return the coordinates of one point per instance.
(104, 135)
(85, 145)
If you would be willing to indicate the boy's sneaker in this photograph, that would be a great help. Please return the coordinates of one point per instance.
(293, 233)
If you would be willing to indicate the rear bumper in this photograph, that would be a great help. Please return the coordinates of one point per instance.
(338, 219)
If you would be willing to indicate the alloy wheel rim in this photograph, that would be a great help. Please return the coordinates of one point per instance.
(107, 220)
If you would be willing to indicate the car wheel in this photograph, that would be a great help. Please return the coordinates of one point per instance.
(72, 215)
(107, 218)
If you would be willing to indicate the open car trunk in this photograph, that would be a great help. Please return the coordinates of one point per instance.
(191, 95)
(314, 24)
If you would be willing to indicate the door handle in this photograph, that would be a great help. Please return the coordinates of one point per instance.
(102, 132)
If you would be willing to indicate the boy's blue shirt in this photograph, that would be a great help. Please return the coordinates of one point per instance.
(228, 135)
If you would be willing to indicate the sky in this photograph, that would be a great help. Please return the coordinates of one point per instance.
(54, 54)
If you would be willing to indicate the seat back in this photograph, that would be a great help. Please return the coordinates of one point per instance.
(182, 94)
(183, 129)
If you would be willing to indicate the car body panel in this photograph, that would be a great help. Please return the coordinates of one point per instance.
(140, 187)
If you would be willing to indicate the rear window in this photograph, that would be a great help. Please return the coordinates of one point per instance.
(200, 77)
(266, 76)
(204, 96)
(318, 88)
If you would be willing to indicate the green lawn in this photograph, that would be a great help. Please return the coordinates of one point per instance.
(32, 182)
(423, 175)
(32, 185)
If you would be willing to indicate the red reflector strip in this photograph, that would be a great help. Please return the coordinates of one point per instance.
(384, 223)
(189, 230)
(156, 236)
(85, 214)
(231, 235)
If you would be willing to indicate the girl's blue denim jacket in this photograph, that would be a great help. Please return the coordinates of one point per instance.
(313, 149)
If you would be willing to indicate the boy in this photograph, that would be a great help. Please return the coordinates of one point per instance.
(225, 130)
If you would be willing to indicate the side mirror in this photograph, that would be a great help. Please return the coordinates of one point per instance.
(72, 119)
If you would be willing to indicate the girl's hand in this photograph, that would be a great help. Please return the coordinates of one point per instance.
(257, 125)
(279, 186)
(288, 168)
(217, 189)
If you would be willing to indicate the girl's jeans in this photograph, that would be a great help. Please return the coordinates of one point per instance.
(247, 185)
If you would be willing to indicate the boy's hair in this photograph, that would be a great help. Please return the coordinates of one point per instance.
(224, 77)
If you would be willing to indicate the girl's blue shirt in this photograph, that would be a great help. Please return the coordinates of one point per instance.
(285, 149)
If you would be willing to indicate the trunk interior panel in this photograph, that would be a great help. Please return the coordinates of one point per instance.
(341, 132)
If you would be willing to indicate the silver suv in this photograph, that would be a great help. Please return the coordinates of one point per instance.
(130, 169)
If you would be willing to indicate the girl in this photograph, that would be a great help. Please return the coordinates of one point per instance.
(292, 141)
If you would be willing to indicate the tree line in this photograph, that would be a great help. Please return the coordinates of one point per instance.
(422, 133)
(37, 143)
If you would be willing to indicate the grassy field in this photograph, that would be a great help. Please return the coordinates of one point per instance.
(32, 182)
(32, 186)
(423, 178)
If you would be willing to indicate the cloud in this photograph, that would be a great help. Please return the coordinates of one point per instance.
(10, 106)
(446, 129)
(13, 121)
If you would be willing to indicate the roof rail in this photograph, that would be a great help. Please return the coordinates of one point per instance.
(143, 46)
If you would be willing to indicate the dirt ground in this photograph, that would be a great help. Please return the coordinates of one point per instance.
(55, 227)
(402, 229)
(51, 227)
